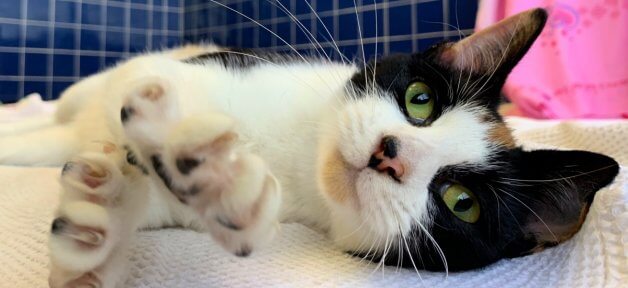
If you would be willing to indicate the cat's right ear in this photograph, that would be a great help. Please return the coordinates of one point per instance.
(498, 48)
(556, 189)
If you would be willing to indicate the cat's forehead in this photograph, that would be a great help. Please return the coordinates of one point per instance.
(396, 72)
(453, 89)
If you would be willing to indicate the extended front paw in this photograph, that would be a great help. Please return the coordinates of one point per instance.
(94, 218)
(251, 207)
(239, 201)
(199, 159)
(204, 166)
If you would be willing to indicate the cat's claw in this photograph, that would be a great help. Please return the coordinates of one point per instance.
(88, 225)
(68, 280)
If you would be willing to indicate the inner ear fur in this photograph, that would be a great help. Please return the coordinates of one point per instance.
(559, 186)
(498, 47)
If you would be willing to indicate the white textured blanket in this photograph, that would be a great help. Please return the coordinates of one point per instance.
(596, 257)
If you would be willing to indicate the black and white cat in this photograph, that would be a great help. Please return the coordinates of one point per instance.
(404, 161)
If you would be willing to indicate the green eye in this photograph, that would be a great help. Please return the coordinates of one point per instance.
(419, 101)
(462, 203)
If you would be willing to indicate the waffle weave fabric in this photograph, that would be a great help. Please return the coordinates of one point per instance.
(596, 257)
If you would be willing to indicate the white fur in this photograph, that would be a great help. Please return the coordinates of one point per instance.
(291, 120)
(26, 125)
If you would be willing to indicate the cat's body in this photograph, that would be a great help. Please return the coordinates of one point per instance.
(265, 106)
(387, 160)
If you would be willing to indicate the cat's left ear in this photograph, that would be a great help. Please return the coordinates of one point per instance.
(558, 186)
(498, 48)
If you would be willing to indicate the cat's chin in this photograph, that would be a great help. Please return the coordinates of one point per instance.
(349, 229)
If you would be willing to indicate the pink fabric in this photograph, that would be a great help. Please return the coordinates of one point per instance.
(578, 68)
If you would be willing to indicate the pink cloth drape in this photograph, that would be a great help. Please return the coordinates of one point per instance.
(578, 68)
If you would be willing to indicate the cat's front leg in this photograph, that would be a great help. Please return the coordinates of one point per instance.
(200, 161)
(101, 205)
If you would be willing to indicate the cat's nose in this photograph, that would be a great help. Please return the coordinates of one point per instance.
(385, 159)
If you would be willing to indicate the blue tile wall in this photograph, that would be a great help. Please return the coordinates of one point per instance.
(46, 45)
(402, 25)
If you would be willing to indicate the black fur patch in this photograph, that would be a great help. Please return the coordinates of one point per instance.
(131, 158)
(67, 167)
(186, 165)
(161, 171)
(243, 59)
(126, 113)
(58, 225)
(244, 251)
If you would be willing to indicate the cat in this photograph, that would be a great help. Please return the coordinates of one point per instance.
(404, 160)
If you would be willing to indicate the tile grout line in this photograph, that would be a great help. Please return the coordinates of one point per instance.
(127, 29)
(77, 40)
(51, 36)
(336, 29)
(103, 34)
(164, 23)
(22, 67)
(415, 24)
(149, 25)
(386, 32)
(273, 15)
(122, 4)
(314, 27)
(92, 27)
(256, 30)
(181, 21)
(445, 19)
(58, 51)
(293, 24)
(384, 39)
(239, 27)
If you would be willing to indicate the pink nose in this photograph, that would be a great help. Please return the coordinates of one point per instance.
(385, 159)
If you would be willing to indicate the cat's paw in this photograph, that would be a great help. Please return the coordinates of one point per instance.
(93, 217)
(148, 111)
(233, 190)
(199, 160)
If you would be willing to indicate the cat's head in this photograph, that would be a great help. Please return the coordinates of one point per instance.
(420, 167)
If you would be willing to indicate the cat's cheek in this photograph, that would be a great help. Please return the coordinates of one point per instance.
(335, 176)
(337, 185)
(337, 179)
(336, 182)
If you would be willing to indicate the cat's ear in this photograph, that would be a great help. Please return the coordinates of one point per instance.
(497, 48)
(558, 186)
